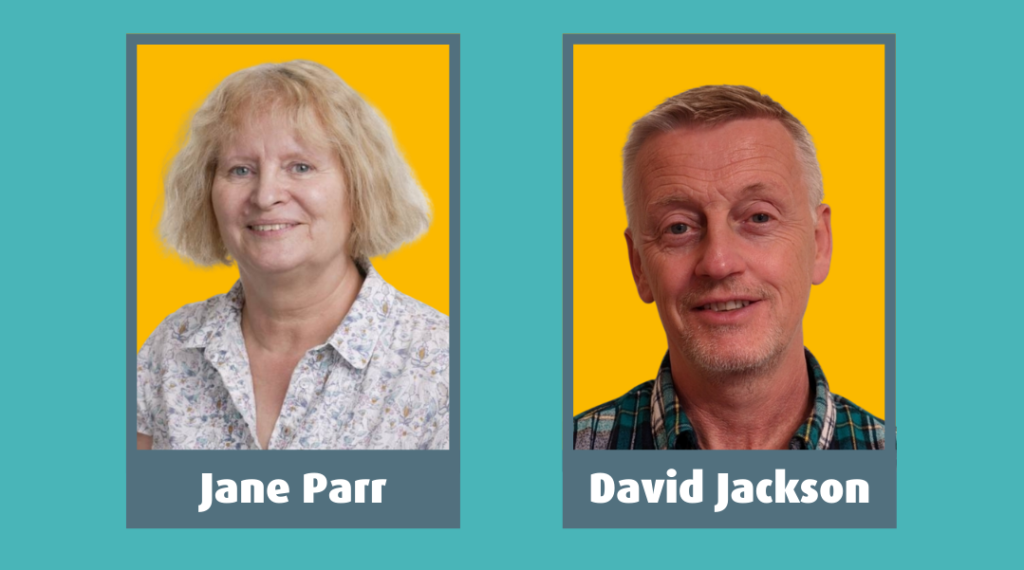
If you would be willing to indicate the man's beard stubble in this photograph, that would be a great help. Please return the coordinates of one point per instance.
(703, 352)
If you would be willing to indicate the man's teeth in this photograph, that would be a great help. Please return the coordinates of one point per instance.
(271, 227)
(726, 306)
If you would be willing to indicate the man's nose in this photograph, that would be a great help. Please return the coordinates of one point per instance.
(271, 189)
(721, 255)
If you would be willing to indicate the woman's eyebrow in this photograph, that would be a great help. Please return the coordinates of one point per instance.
(300, 154)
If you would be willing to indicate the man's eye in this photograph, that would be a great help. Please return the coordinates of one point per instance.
(678, 229)
(302, 168)
(760, 218)
(240, 171)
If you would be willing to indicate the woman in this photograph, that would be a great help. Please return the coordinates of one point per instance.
(290, 174)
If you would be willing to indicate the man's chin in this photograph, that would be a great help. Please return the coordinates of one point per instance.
(723, 366)
(730, 359)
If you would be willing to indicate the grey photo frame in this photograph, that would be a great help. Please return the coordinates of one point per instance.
(163, 488)
(878, 467)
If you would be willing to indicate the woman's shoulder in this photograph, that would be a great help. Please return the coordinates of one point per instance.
(414, 319)
(191, 325)
(418, 331)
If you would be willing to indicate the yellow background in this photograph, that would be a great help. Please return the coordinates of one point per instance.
(838, 92)
(408, 85)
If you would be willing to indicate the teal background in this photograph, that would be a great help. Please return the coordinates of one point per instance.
(958, 127)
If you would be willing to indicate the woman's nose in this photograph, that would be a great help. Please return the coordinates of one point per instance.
(271, 189)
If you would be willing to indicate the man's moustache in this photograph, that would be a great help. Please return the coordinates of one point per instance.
(718, 291)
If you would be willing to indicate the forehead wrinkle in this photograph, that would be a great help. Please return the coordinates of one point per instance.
(683, 177)
(671, 200)
(753, 146)
(664, 166)
(701, 149)
(704, 168)
(663, 159)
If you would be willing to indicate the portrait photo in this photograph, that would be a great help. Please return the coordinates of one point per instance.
(728, 246)
(293, 250)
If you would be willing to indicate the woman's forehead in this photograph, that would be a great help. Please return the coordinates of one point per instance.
(259, 121)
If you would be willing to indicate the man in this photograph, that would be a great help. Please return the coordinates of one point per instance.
(727, 233)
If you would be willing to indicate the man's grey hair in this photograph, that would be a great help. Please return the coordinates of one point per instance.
(709, 106)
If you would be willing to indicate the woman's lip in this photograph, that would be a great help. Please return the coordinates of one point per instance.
(267, 229)
(272, 223)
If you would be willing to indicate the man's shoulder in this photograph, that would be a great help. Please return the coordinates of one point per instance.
(598, 427)
(856, 428)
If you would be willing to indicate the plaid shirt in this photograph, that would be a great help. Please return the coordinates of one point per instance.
(650, 417)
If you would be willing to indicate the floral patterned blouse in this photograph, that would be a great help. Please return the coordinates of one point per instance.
(379, 382)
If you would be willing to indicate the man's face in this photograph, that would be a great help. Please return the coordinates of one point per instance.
(726, 243)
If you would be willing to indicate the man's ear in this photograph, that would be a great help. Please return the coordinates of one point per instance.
(822, 244)
(638, 270)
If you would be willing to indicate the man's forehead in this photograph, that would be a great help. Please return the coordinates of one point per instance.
(720, 145)
(754, 190)
(738, 155)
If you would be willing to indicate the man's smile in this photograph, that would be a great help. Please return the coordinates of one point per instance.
(723, 306)
(726, 310)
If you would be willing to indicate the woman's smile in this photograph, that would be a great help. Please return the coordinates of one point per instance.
(271, 229)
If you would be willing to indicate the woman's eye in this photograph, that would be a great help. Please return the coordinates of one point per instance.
(760, 218)
(302, 168)
(240, 171)
(678, 229)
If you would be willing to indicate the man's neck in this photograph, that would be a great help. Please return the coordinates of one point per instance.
(760, 410)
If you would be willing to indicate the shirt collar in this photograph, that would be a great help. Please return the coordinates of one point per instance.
(817, 431)
(673, 430)
(357, 334)
(220, 311)
(354, 339)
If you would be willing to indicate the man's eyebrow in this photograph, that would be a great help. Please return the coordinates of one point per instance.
(755, 188)
(672, 200)
(684, 201)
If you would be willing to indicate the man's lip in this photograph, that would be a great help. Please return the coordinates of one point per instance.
(698, 306)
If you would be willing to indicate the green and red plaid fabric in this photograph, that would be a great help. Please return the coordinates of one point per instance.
(651, 417)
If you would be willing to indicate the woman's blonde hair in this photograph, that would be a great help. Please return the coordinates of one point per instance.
(387, 205)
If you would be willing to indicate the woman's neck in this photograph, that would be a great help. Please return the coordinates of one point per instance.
(293, 313)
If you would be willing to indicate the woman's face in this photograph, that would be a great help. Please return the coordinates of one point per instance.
(280, 202)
